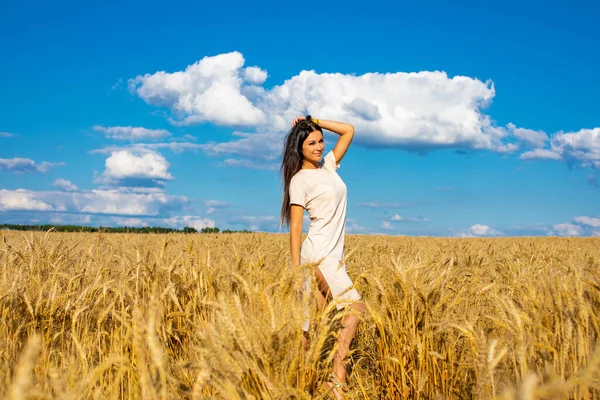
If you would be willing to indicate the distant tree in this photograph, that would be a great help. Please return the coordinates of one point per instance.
(106, 229)
(189, 229)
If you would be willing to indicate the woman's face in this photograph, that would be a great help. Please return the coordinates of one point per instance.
(312, 148)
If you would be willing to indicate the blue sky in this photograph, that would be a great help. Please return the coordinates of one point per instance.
(477, 118)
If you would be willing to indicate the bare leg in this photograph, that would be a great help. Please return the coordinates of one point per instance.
(350, 323)
(322, 298)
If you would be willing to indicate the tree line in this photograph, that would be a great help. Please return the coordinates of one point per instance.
(111, 229)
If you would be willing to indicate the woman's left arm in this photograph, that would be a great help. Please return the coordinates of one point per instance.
(346, 132)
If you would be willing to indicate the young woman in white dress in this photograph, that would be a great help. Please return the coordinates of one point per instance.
(311, 183)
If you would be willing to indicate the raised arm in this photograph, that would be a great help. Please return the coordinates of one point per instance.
(346, 132)
(296, 215)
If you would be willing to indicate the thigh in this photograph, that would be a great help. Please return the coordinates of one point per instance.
(322, 284)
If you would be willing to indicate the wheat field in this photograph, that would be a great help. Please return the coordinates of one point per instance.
(218, 316)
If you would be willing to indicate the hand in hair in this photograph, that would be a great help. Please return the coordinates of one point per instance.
(298, 119)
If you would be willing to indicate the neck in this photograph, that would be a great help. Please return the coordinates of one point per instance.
(310, 165)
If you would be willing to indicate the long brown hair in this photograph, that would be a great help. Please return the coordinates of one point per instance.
(291, 161)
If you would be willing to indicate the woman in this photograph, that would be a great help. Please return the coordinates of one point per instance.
(311, 183)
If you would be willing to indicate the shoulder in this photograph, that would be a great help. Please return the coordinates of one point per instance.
(329, 162)
(298, 179)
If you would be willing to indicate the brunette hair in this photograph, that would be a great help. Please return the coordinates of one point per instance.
(291, 160)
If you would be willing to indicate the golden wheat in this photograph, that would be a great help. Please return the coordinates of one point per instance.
(218, 316)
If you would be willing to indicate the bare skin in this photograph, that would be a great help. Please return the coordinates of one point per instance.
(312, 152)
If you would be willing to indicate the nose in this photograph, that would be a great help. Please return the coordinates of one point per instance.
(321, 146)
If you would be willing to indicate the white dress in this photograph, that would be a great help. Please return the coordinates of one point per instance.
(323, 194)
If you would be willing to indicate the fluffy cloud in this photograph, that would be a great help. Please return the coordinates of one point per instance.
(213, 205)
(420, 110)
(398, 218)
(195, 222)
(132, 133)
(137, 222)
(541, 154)
(579, 226)
(529, 137)
(69, 219)
(112, 202)
(255, 75)
(175, 147)
(417, 111)
(483, 230)
(133, 168)
(215, 89)
(22, 165)
(386, 225)
(581, 147)
(567, 229)
(65, 185)
(24, 200)
(588, 221)
(259, 146)
(479, 230)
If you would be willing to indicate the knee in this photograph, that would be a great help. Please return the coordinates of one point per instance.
(358, 308)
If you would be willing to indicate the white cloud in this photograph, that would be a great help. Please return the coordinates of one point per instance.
(6, 134)
(21, 165)
(137, 222)
(176, 147)
(364, 109)
(418, 110)
(482, 230)
(386, 225)
(65, 184)
(540, 154)
(582, 146)
(216, 204)
(213, 205)
(115, 202)
(134, 168)
(195, 222)
(214, 89)
(263, 146)
(566, 229)
(398, 218)
(255, 75)
(531, 138)
(22, 199)
(70, 219)
(587, 221)
(353, 226)
(132, 133)
(67, 218)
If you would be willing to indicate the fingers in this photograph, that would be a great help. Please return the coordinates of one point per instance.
(298, 119)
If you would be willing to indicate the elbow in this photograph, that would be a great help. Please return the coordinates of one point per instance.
(350, 131)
